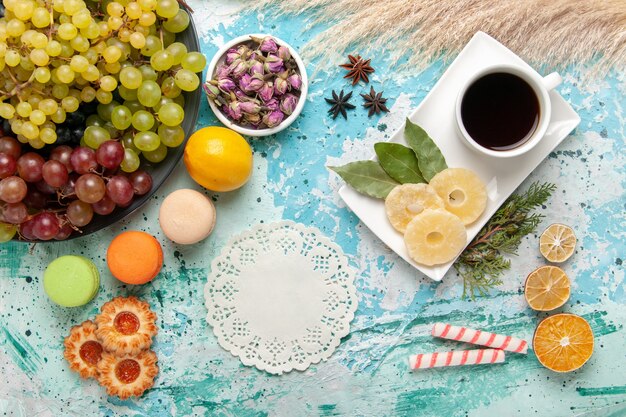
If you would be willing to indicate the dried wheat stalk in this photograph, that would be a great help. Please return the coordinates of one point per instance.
(555, 33)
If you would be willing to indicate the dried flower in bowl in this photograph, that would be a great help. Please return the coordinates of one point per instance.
(257, 85)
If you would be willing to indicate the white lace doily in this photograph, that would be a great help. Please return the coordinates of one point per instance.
(280, 297)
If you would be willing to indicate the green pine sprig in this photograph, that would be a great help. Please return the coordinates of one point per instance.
(483, 262)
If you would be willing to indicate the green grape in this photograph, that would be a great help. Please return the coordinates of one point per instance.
(161, 61)
(24, 109)
(16, 127)
(7, 232)
(148, 73)
(149, 93)
(156, 155)
(30, 130)
(80, 43)
(59, 116)
(130, 77)
(42, 75)
(79, 63)
(115, 9)
(67, 31)
(177, 50)
(104, 97)
(147, 4)
(130, 163)
(15, 27)
(133, 10)
(134, 105)
(127, 142)
(186, 80)
(92, 31)
(82, 19)
(91, 55)
(177, 23)
(95, 120)
(65, 74)
(147, 19)
(105, 110)
(64, 18)
(88, 94)
(104, 29)
(121, 117)
(137, 40)
(153, 44)
(39, 57)
(169, 88)
(53, 48)
(12, 58)
(167, 8)
(60, 90)
(145, 141)
(112, 54)
(7, 111)
(91, 74)
(70, 104)
(163, 101)
(124, 34)
(36, 143)
(48, 106)
(143, 120)
(23, 10)
(71, 7)
(95, 136)
(171, 136)
(113, 68)
(168, 38)
(171, 114)
(115, 22)
(194, 62)
(108, 83)
(66, 50)
(47, 135)
(39, 40)
(37, 117)
(127, 93)
(40, 18)
(113, 132)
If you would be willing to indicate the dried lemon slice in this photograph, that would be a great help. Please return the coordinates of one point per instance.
(557, 243)
(547, 288)
(563, 342)
(462, 192)
(435, 237)
(406, 201)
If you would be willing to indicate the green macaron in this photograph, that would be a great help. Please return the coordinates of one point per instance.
(71, 281)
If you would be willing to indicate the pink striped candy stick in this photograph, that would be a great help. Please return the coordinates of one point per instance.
(478, 337)
(456, 358)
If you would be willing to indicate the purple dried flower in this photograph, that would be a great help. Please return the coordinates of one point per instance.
(268, 44)
(240, 94)
(231, 55)
(288, 104)
(273, 64)
(283, 53)
(272, 104)
(253, 119)
(232, 110)
(249, 83)
(256, 68)
(238, 68)
(211, 90)
(295, 81)
(280, 86)
(226, 85)
(222, 71)
(273, 118)
(249, 107)
(267, 91)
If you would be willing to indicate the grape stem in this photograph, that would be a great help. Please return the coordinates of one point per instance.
(185, 5)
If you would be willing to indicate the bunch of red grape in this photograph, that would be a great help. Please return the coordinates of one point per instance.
(44, 199)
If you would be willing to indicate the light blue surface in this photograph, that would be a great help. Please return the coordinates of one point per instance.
(368, 373)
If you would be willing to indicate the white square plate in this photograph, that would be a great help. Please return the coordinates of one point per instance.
(436, 115)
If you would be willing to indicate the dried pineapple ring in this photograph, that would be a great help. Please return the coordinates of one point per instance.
(462, 192)
(406, 201)
(83, 350)
(435, 237)
(127, 375)
(126, 325)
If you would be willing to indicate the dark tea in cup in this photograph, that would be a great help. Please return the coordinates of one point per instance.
(500, 111)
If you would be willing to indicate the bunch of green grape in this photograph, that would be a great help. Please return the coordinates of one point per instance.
(57, 54)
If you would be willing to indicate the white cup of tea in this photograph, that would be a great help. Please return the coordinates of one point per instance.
(504, 110)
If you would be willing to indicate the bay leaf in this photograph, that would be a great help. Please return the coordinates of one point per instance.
(429, 156)
(366, 177)
(399, 162)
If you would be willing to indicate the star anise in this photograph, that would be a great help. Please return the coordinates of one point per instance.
(375, 102)
(358, 69)
(340, 104)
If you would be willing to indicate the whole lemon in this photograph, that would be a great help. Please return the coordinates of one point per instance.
(219, 159)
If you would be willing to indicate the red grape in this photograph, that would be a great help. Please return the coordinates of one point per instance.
(120, 190)
(65, 232)
(45, 188)
(35, 199)
(83, 160)
(141, 181)
(13, 189)
(8, 165)
(90, 188)
(29, 167)
(10, 146)
(45, 225)
(63, 154)
(79, 213)
(68, 189)
(15, 213)
(26, 230)
(104, 206)
(110, 154)
(54, 173)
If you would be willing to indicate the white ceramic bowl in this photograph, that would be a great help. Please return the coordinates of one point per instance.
(219, 58)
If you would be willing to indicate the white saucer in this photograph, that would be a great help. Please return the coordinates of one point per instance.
(436, 115)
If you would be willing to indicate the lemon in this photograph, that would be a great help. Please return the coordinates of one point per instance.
(557, 243)
(219, 159)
